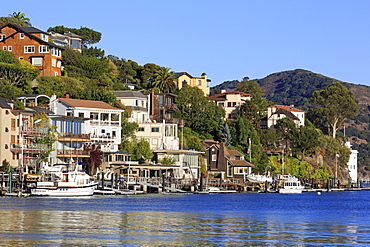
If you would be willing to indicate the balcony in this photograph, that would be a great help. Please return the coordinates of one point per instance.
(35, 131)
(170, 107)
(104, 123)
(28, 148)
(103, 138)
(73, 137)
(73, 153)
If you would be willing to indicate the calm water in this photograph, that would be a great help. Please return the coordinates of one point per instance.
(336, 218)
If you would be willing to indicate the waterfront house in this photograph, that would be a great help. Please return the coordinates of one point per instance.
(104, 125)
(159, 135)
(352, 163)
(32, 44)
(225, 163)
(230, 102)
(19, 138)
(184, 78)
(277, 112)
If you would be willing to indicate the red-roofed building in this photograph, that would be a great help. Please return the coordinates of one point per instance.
(277, 112)
(230, 102)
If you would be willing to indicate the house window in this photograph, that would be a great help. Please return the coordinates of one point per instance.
(155, 129)
(45, 37)
(222, 104)
(43, 49)
(4, 48)
(81, 114)
(59, 64)
(199, 82)
(21, 35)
(37, 61)
(214, 157)
(20, 58)
(141, 129)
(53, 62)
(2, 37)
(29, 49)
(56, 73)
(10, 48)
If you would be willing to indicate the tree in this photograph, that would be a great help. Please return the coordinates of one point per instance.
(307, 138)
(251, 112)
(22, 17)
(139, 149)
(164, 80)
(197, 111)
(16, 72)
(336, 103)
(251, 87)
(288, 132)
(224, 133)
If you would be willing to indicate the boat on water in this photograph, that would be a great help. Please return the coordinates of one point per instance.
(259, 178)
(292, 186)
(64, 180)
(213, 189)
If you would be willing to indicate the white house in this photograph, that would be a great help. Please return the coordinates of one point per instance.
(138, 102)
(277, 112)
(104, 126)
(352, 163)
(159, 135)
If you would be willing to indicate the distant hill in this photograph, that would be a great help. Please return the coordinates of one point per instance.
(295, 87)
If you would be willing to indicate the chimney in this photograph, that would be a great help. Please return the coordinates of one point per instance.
(67, 96)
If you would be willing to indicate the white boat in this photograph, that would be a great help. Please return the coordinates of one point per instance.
(258, 178)
(64, 180)
(292, 186)
(218, 190)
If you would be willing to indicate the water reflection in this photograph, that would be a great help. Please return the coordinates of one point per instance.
(42, 222)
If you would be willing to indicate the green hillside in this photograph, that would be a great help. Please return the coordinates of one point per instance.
(295, 87)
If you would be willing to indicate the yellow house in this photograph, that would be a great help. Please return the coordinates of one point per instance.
(184, 78)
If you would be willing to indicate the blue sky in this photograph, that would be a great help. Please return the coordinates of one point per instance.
(228, 40)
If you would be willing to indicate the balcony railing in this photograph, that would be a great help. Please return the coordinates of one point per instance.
(34, 131)
(74, 136)
(64, 152)
(103, 138)
(170, 107)
(104, 123)
(28, 148)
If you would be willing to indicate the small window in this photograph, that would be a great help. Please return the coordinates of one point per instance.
(56, 73)
(4, 48)
(43, 49)
(141, 129)
(10, 48)
(21, 35)
(155, 129)
(29, 49)
(81, 114)
(2, 37)
(20, 58)
(199, 82)
(214, 157)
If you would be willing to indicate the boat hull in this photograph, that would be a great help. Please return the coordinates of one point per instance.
(64, 191)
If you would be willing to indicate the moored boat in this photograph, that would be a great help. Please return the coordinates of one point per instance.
(292, 186)
(64, 180)
(258, 178)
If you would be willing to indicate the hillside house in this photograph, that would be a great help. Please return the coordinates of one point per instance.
(184, 78)
(277, 112)
(230, 102)
(32, 45)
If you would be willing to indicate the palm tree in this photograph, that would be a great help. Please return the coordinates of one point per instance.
(22, 17)
(164, 80)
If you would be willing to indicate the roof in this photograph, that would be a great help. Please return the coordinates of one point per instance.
(4, 103)
(286, 113)
(235, 153)
(88, 104)
(241, 163)
(222, 96)
(28, 31)
(287, 108)
(129, 94)
(39, 109)
(178, 74)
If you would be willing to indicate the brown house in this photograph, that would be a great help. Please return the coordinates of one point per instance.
(228, 163)
(32, 44)
(162, 107)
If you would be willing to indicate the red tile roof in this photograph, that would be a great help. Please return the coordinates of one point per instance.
(88, 104)
(287, 108)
